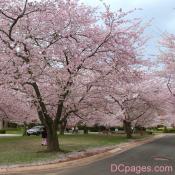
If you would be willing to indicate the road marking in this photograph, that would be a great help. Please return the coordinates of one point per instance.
(161, 158)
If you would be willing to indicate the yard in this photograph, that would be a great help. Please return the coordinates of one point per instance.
(17, 150)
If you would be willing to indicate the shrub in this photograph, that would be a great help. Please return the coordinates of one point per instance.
(169, 130)
(149, 132)
(160, 129)
(120, 128)
(2, 131)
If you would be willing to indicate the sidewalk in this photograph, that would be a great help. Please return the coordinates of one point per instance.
(10, 135)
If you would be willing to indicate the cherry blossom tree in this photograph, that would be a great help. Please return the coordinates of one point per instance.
(47, 46)
(136, 103)
(166, 60)
(13, 108)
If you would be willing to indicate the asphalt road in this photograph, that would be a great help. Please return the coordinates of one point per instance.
(154, 158)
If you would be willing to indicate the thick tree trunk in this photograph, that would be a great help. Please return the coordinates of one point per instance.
(50, 124)
(127, 128)
(63, 127)
(52, 139)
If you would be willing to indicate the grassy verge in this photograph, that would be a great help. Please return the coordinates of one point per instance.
(15, 150)
(14, 131)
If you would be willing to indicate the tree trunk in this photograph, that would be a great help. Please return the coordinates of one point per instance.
(141, 132)
(63, 127)
(127, 128)
(5, 124)
(25, 129)
(52, 139)
(1, 124)
(85, 130)
(50, 124)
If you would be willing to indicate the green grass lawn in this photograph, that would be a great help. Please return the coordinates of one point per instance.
(15, 150)
(14, 131)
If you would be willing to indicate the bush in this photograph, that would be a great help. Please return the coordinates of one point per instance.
(84, 127)
(112, 129)
(140, 128)
(149, 132)
(169, 130)
(2, 131)
(12, 125)
(96, 128)
(160, 129)
(93, 129)
(120, 128)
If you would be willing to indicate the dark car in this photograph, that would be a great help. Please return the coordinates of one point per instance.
(36, 130)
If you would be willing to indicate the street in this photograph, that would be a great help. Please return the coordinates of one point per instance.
(154, 158)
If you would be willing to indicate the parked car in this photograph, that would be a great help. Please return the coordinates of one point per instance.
(36, 130)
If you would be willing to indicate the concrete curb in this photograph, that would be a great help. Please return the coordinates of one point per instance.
(80, 161)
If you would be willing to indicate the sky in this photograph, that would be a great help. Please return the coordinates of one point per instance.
(161, 12)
